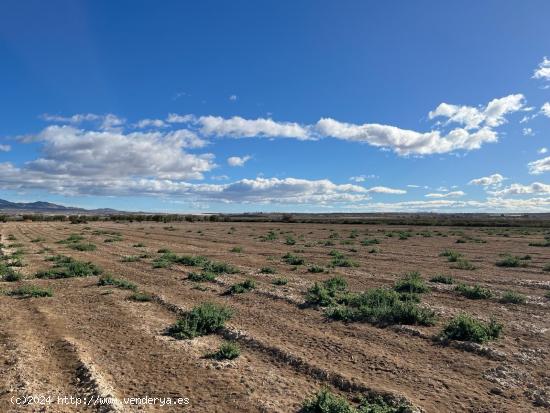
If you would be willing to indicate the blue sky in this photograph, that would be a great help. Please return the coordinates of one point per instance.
(276, 106)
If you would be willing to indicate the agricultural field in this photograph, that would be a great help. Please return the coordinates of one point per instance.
(275, 317)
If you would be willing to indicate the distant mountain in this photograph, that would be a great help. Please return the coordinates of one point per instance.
(48, 207)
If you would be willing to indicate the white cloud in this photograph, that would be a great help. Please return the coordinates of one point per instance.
(386, 190)
(238, 127)
(238, 160)
(543, 70)
(362, 178)
(150, 123)
(539, 166)
(452, 194)
(490, 116)
(71, 152)
(233, 98)
(519, 189)
(406, 142)
(5, 148)
(106, 122)
(175, 118)
(545, 109)
(494, 179)
(528, 132)
(542, 150)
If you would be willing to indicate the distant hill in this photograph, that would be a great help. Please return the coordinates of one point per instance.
(48, 207)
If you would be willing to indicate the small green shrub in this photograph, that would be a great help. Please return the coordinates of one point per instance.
(474, 292)
(267, 270)
(242, 287)
(140, 297)
(139, 245)
(327, 292)
(326, 402)
(293, 259)
(371, 241)
(512, 297)
(236, 249)
(80, 246)
(463, 327)
(315, 269)
(227, 351)
(442, 279)
(452, 256)
(30, 291)
(39, 239)
(67, 267)
(511, 261)
(411, 283)
(116, 282)
(290, 241)
(201, 277)
(280, 281)
(463, 264)
(203, 319)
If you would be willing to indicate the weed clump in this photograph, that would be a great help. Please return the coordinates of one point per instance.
(227, 351)
(463, 264)
(512, 297)
(242, 287)
(464, 327)
(31, 291)
(315, 269)
(442, 279)
(206, 318)
(116, 282)
(81, 246)
(201, 276)
(280, 281)
(140, 297)
(267, 270)
(326, 293)
(67, 267)
(474, 292)
(326, 402)
(236, 249)
(411, 283)
(293, 259)
(512, 261)
(452, 256)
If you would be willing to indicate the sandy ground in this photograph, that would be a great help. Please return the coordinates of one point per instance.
(89, 341)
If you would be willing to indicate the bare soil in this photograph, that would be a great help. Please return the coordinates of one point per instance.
(91, 341)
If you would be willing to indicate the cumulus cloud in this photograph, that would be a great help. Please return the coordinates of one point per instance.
(545, 109)
(150, 123)
(175, 118)
(233, 98)
(471, 117)
(106, 122)
(539, 166)
(361, 178)
(452, 194)
(542, 150)
(543, 70)
(528, 132)
(5, 148)
(386, 190)
(490, 180)
(238, 160)
(519, 189)
(238, 127)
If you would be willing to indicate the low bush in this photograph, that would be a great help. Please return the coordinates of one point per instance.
(327, 292)
(80, 246)
(293, 259)
(411, 283)
(512, 297)
(280, 281)
(139, 245)
(315, 269)
(452, 256)
(463, 264)
(140, 297)
(130, 258)
(474, 292)
(381, 306)
(442, 279)
(206, 318)
(512, 261)
(67, 267)
(463, 327)
(326, 402)
(371, 241)
(201, 276)
(227, 351)
(242, 287)
(236, 249)
(29, 291)
(267, 270)
(116, 282)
